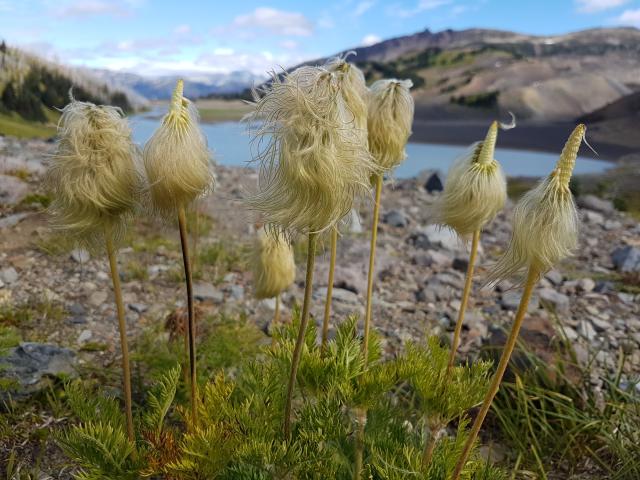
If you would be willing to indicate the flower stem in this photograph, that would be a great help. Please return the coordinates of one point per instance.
(465, 299)
(304, 320)
(191, 324)
(361, 420)
(430, 446)
(532, 278)
(372, 256)
(327, 304)
(126, 370)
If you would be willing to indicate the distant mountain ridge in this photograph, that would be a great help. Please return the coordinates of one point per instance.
(195, 85)
(481, 72)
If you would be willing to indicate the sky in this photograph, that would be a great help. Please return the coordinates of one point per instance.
(158, 37)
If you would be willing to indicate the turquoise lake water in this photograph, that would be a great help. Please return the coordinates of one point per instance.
(231, 146)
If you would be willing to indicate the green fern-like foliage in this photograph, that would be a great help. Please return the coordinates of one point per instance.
(160, 400)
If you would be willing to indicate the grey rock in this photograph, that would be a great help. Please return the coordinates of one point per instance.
(461, 264)
(554, 277)
(30, 364)
(395, 218)
(12, 190)
(570, 333)
(591, 202)
(586, 330)
(340, 295)
(612, 225)
(601, 325)
(510, 300)
(434, 237)
(77, 320)
(593, 217)
(349, 278)
(434, 183)
(604, 286)
(207, 292)
(98, 298)
(138, 307)
(85, 336)
(80, 255)
(626, 259)
(236, 292)
(12, 220)
(76, 309)
(586, 285)
(431, 258)
(558, 301)
(9, 275)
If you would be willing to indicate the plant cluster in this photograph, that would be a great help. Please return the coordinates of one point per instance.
(299, 409)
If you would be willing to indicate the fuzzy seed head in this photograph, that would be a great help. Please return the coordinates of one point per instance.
(313, 162)
(389, 121)
(176, 158)
(274, 269)
(353, 89)
(545, 225)
(93, 175)
(475, 189)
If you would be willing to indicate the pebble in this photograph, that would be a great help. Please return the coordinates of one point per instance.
(80, 255)
(84, 336)
(559, 301)
(626, 259)
(207, 292)
(9, 275)
(511, 300)
(395, 218)
(586, 330)
(138, 307)
(97, 298)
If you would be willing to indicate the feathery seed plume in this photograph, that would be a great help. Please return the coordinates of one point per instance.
(313, 163)
(177, 159)
(389, 121)
(545, 225)
(93, 174)
(475, 189)
(274, 268)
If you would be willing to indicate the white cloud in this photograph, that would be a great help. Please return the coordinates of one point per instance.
(591, 6)
(278, 22)
(363, 7)
(370, 39)
(422, 6)
(629, 17)
(92, 8)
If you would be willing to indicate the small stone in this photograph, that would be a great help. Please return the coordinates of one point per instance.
(601, 325)
(586, 285)
(77, 320)
(591, 202)
(76, 309)
(12, 189)
(612, 225)
(559, 301)
(511, 300)
(9, 275)
(626, 259)
(554, 277)
(206, 291)
(570, 333)
(236, 292)
(434, 237)
(586, 330)
(395, 218)
(434, 183)
(461, 264)
(97, 298)
(80, 255)
(593, 217)
(138, 307)
(84, 336)
(12, 220)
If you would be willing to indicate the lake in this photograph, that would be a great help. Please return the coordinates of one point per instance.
(230, 145)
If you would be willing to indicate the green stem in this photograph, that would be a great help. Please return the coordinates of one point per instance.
(465, 299)
(126, 371)
(532, 278)
(191, 323)
(304, 320)
(327, 304)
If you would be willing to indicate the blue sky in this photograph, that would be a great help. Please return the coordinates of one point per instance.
(161, 37)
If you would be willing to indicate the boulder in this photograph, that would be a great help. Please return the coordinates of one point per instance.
(591, 202)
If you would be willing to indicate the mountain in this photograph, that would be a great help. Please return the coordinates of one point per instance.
(479, 72)
(31, 88)
(195, 86)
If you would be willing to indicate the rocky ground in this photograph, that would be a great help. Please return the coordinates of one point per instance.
(60, 296)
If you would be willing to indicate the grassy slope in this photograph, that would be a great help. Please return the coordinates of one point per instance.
(15, 126)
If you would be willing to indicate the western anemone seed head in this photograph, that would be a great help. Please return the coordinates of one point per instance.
(176, 158)
(93, 175)
(313, 162)
(475, 189)
(274, 268)
(545, 225)
(389, 121)
(353, 88)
